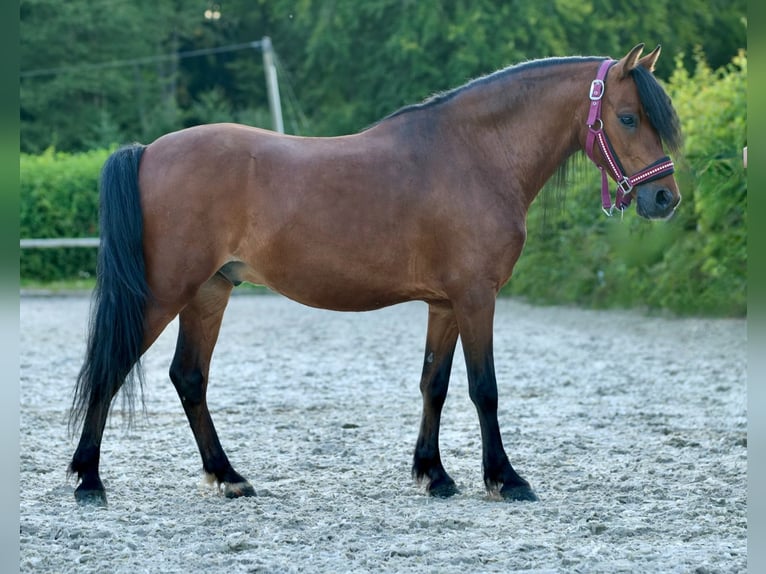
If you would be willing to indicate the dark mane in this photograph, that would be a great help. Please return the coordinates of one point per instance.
(447, 95)
(655, 101)
(658, 108)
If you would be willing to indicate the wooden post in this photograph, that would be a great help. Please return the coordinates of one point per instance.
(270, 69)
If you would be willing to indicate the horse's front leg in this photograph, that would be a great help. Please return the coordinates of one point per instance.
(440, 348)
(86, 459)
(475, 321)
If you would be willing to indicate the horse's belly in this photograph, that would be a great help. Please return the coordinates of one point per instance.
(339, 285)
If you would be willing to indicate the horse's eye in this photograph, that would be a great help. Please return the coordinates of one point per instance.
(628, 121)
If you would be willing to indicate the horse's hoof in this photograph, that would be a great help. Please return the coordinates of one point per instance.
(90, 497)
(522, 492)
(443, 488)
(238, 489)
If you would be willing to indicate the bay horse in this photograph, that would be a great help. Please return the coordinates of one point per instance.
(427, 204)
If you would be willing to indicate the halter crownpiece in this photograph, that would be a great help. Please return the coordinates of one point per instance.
(597, 135)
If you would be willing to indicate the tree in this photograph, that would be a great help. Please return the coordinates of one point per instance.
(344, 64)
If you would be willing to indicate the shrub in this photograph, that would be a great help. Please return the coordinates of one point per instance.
(59, 198)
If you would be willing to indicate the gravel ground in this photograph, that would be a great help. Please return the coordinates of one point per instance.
(631, 429)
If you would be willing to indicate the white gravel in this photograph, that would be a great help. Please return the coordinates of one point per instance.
(631, 429)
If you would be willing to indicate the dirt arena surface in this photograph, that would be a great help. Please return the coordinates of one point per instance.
(631, 429)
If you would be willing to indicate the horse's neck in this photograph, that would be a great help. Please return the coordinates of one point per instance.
(531, 122)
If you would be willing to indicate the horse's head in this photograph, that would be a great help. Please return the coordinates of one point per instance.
(631, 117)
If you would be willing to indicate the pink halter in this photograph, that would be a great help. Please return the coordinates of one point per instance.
(596, 134)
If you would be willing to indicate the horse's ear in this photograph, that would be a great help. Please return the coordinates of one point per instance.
(650, 60)
(630, 61)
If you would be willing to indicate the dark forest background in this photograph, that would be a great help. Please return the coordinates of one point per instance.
(88, 79)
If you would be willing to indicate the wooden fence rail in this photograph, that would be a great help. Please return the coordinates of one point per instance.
(59, 242)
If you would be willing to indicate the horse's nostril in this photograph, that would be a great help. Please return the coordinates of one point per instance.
(663, 198)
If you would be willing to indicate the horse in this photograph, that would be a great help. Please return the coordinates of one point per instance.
(427, 204)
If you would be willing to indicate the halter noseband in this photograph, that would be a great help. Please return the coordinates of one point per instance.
(596, 134)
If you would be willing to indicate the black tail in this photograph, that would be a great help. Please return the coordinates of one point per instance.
(116, 328)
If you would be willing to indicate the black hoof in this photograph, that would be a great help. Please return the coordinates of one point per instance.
(238, 489)
(522, 492)
(443, 488)
(90, 497)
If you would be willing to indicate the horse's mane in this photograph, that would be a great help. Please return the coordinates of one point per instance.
(441, 97)
(658, 108)
(655, 101)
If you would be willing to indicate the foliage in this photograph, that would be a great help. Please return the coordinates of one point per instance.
(694, 263)
(59, 198)
(343, 64)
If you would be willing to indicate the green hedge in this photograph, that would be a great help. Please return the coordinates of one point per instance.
(696, 263)
(59, 198)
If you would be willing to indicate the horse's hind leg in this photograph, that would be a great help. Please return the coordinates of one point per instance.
(440, 348)
(85, 461)
(199, 324)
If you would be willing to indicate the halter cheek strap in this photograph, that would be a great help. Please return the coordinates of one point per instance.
(597, 135)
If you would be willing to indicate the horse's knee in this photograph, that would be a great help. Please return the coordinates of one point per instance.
(189, 383)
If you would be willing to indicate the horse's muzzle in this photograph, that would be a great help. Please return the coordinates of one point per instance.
(656, 201)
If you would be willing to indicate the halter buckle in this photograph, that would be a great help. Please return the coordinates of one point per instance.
(625, 186)
(596, 90)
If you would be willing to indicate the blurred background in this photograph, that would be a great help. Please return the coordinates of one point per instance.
(101, 73)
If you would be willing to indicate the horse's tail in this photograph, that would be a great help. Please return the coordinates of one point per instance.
(116, 329)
